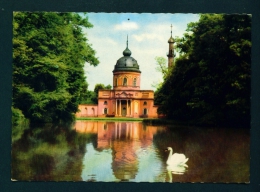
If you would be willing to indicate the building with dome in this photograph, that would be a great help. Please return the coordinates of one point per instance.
(126, 99)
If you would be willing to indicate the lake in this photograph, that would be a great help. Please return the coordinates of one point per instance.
(130, 152)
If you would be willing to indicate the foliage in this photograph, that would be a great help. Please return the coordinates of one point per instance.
(162, 68)
(96, 89)
(19, 124)
(17, 116)
(88, 97)
(161, 65)
(49, 52)
(210, 83)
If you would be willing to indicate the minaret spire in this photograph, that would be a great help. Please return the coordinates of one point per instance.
(170, 54)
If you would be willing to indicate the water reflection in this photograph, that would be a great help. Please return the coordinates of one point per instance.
(124, 147)
(130, 151)
(49, 153)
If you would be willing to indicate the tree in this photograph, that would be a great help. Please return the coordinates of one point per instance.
(96, 89)
(161, 65)
(108, 87)
(211, 79)
(49, 52)
(162, 68)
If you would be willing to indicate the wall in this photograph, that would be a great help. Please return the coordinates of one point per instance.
(87, 110)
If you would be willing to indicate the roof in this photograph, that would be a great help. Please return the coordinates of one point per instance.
(127, 63)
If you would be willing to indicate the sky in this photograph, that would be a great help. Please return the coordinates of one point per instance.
(148, 36)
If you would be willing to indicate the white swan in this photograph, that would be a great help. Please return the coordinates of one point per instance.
(179, 170)
(176, 159)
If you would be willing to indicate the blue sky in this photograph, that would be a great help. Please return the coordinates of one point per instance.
(147, 35)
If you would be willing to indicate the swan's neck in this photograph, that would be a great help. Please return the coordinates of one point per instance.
(170, 154)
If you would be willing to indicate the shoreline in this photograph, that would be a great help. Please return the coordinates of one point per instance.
(158, 121)
(109, 119)
(151, 121)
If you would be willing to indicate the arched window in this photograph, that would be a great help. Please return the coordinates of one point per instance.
(145, 111)
(115, 82)
(105, 102)
(105, 111)
(134, 82)
(145, 103)
(125, 81)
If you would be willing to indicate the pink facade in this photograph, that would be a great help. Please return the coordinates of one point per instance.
(86, 110)
(121, 103)
(127, 103)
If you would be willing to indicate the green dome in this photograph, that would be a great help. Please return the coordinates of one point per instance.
(127, 63)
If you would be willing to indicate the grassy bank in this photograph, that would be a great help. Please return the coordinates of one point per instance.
(109, 119)
(148, 121)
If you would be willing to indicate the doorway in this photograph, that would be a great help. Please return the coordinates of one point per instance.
(123, 111)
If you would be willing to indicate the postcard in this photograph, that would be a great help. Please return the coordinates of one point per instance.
(127, 97)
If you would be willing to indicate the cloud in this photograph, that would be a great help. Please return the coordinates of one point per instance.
(125, 26)
(156, 32)
(146, 36)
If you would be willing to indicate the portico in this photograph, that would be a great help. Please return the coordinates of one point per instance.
(123, 107)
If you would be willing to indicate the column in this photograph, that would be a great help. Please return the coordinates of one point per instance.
(127, 107)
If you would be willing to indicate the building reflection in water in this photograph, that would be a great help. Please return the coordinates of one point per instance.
(128, 143)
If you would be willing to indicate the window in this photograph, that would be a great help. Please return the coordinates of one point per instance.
(145, 103)
(105, 102)
(134, 83)
(145, 111)
(125, 82)
(105, 111)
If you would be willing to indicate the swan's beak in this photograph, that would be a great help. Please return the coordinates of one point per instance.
(165, 150)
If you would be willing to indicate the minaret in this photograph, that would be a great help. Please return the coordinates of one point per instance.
(170, 55)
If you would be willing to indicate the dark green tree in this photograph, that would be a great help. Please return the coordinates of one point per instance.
(210, 83)
(49, 52)
(108, 87)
